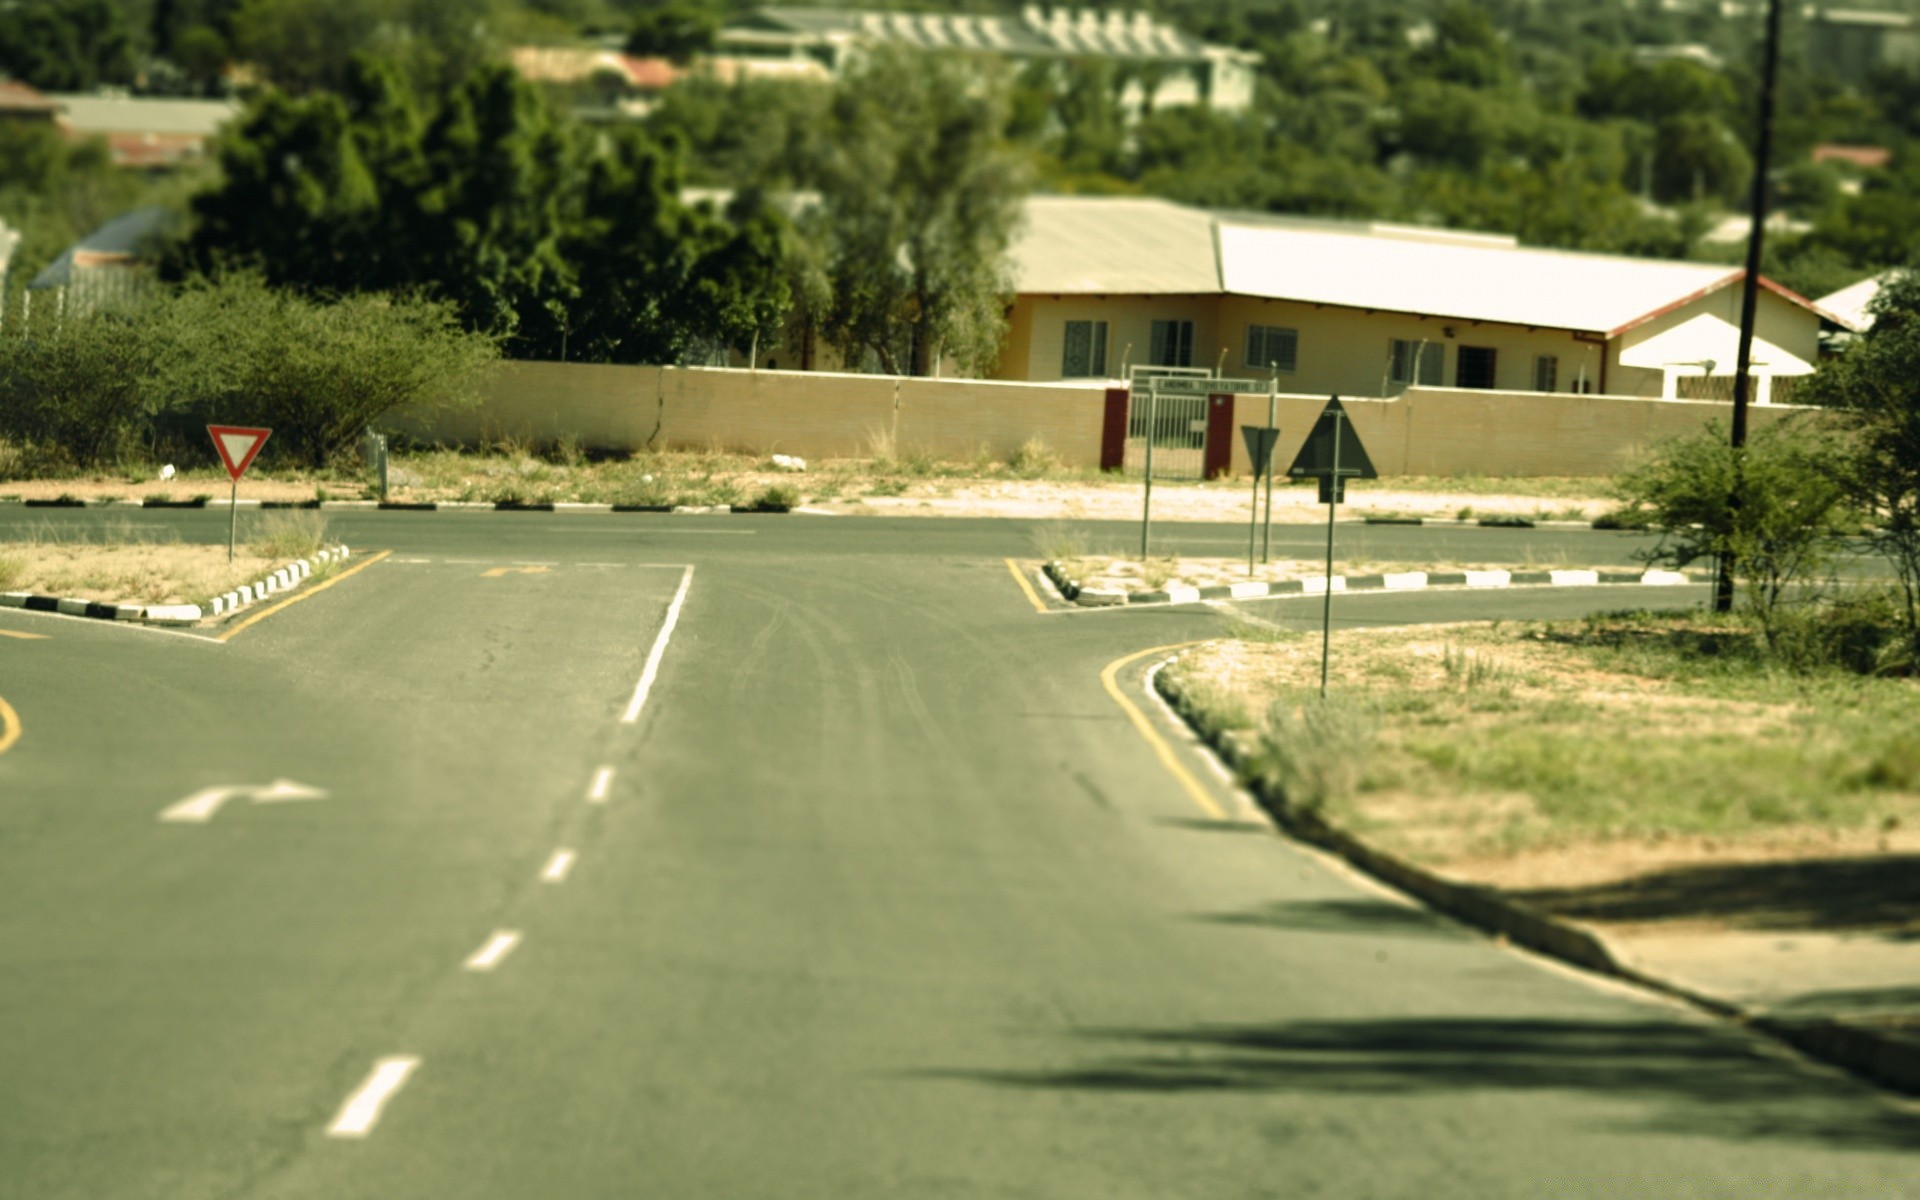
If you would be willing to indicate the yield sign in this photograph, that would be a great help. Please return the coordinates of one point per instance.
(237, 446)
(1260, 440)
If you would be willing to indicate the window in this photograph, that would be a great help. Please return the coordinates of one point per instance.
(1172, 344)
(1403, 355)
(1270, 345)
(1085, 355)
(1546, 373)
(1474, 367)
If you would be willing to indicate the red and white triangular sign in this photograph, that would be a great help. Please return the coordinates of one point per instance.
(237, 446)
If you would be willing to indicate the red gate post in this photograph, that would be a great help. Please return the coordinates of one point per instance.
(1217, 458)
(1113, 431)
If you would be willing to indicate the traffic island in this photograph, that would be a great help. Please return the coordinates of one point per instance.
(1653, 798)
(1110, 580)
(135, 575)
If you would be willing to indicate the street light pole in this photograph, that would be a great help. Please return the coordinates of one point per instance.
(1750, 286)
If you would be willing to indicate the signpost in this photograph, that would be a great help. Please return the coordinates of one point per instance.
(238, 446)
(1260, 444)
(1333, 454)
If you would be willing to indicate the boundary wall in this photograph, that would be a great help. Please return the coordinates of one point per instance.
(1471, 431)
(1424, 431)
(814, 414)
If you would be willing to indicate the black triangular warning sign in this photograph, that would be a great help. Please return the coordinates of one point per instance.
(1316, 457)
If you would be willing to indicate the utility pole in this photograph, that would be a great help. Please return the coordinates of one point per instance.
(1750, 286)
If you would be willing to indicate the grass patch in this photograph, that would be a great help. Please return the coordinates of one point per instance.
(126, 564)
(1493, 740)
(287, 533)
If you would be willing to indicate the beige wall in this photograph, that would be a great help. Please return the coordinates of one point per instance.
(1428, 431)
(808, 413)
(1454, 431)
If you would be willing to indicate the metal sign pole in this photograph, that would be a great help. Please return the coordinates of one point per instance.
(1273, 400)
(1326, 604)
(1146, 499)
(1253, 518)
(233, 516)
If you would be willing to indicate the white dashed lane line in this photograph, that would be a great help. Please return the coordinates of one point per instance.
(497, 947)
(361, 1112)
(602, 783)
(558, 866)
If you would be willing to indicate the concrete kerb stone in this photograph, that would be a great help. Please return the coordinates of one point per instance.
(1073, 592)
(178, 614)
(1887, 1056)
(557, 506)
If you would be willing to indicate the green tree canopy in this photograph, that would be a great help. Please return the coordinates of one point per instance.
(919, 198)
(66, 45)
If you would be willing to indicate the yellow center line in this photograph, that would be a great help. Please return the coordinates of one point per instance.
(1020, 578)
(9, 726)
(315, 590)
(1110, 679)
(25, 637)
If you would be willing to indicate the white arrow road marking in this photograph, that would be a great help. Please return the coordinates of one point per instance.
(362, 1110)
(487, 957)
(199, 808)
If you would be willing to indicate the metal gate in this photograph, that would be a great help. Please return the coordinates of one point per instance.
(1175, 425)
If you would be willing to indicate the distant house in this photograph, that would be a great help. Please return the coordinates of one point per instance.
(1370, 309)
(111, 265)
(1867, 158)
(1852, 44)
(1171, 68)
(601, 82)
(146, 132)
(18, 102)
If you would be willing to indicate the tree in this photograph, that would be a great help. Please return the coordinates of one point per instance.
(919, 198)
(674, 31)
(84, 388)
(1777, 505)
(1876, 382)
(317, 373)
(65, 45)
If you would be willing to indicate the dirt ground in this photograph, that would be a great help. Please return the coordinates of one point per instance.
(1030, 499)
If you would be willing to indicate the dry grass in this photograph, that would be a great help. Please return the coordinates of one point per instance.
(1496, 740)
(127, 565)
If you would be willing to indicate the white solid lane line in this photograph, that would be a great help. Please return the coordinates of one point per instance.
(487, 957)
(602, 781)
(658, 652)
(362, 1110)
(558, 866)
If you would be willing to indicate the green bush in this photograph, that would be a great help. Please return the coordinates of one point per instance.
(88, 384)
(1777, 506)
(1317, 749)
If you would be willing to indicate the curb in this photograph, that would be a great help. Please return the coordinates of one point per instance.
(556, 506)
(177, 614)
(1887, 1056)
(1315, 585)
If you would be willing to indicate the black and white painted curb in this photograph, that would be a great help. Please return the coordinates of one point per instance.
(1316, 585)
(281, 580)
(556, 506)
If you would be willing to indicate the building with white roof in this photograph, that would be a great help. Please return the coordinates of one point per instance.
(1849, 304)
(1369, 308)
(1180, 69)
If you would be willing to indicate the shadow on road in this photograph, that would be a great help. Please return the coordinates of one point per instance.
(1705, 1081)
(1339, 916)
(1880, 893)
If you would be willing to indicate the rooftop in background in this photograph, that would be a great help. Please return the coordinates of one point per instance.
(19, 100)
(1132, 246)
(121, 243)
(110, 114)
(572, 64)
(1871, 158)
(1218, 76)
(1849, 304)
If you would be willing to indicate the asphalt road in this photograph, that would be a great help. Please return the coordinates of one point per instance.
(880, 895)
